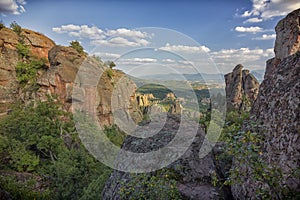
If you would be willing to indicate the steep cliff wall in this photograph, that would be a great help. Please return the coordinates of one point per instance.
(277, 110)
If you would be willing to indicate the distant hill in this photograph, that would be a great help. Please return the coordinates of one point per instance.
(203, 77)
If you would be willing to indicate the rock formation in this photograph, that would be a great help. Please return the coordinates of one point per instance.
(195, 172)
(277, 109)
(58, 80)
(241, 88)
(39, 45)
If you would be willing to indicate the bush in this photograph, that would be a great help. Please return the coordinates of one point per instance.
(2, 25)
(110, 73)
(26, 72)
(23, 50)
(77, 46)
(146, 186)
(16, 28)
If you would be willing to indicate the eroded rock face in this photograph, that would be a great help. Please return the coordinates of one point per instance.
(241, 88)
(287, 35)
(99, 92)
(39, 44)
(195, 171)
(277, 109)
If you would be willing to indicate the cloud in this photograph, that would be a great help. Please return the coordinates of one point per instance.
(271, 8)
(253, 20)
(226, 59)
(107, 56)
(12, 7)
(185, 49)
(265, 37)
(135, 61)
(121, 37)
(252, 29)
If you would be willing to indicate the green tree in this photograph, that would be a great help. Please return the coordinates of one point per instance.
(77, 46)
(16, 28)
(111, 64)
(2, 25)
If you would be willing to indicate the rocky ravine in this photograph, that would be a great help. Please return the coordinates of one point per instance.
(277, 109)
(195, 172)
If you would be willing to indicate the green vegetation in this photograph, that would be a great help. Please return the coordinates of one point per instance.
(115, 135)
(2, 25)
(244, 147)
(77, 46)
(111, 64)
(16, 28)
(158, 185)
(110, 73)
(39, 140)
(28, 66)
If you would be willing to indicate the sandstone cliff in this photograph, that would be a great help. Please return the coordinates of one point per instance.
(39, 45)
(241, 88)
(277, 111)
(58, 79)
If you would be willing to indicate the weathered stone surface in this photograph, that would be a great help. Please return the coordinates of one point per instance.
(39, 44)
(241, 88)
(195, 171)
(8, 61)
(8, 38)
(288, 35)
(277, 109)
(100, 93)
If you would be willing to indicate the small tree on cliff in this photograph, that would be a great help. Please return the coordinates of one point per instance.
(111, 64)
(77, 46)
(16, 27)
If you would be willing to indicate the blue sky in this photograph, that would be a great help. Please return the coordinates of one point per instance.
(189, 34)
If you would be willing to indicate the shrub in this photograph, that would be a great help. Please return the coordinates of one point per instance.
(23, 50)
(26, 72)
(146, 186)
(2, 25)
(77, 46)
(16, 28)
(110, 73)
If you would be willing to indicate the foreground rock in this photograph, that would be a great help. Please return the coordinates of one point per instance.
(277, 109)
(241, 89)
(194, 172)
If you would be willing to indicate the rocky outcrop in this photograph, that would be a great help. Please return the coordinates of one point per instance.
(8, 61)
(108, 94)
(287, 36)
(241, 88)
(277, 110)
(194, 173)
(58, 79)
(39, 44)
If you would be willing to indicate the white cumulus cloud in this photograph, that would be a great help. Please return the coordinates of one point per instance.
(271, 8)
(12, 7)
(186, 49)
(121, 37)
(253, 20)
(265, 37)
(252, 29)
(252, 58)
